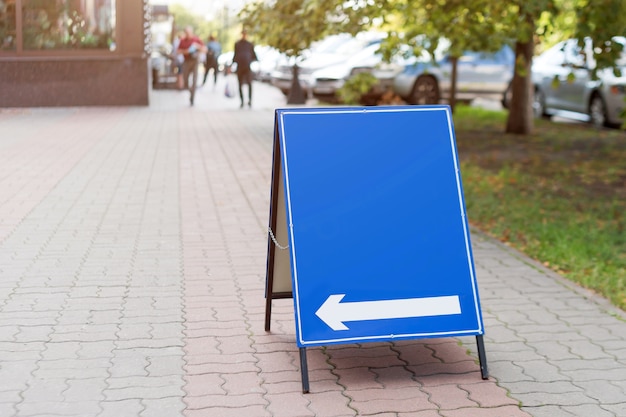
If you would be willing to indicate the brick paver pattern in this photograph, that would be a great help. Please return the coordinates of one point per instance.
(132, 271)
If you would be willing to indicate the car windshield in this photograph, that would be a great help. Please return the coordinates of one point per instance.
(351, 47)
(344, 44)
(330, 44)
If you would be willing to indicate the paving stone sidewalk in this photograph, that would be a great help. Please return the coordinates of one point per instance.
(132, 271)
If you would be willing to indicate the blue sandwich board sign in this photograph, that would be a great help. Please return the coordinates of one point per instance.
(371, 205)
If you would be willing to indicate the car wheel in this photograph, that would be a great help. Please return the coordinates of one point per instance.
(539, 104)
(425, 91)
(597, 111)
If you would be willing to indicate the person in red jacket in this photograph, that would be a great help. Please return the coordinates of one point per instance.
(190, 47)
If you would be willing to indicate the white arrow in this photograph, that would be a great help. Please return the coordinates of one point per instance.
(334, 313)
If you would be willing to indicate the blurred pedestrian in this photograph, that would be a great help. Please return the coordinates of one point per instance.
(243, 57)
(178, 59)
(190, 47)
(214, 50)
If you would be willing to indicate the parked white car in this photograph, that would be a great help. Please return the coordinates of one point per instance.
(479, 74)
(268, 59)
(563, 81)
(327, 81)
(330, 51)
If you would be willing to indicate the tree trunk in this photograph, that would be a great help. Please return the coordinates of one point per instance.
(455, 65)
(296, 93)
(521, 114)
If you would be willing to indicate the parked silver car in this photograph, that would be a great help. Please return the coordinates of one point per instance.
(563, 81)
(479, 74)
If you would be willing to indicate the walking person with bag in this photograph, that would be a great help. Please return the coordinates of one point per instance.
(190, 46)
(243, 57)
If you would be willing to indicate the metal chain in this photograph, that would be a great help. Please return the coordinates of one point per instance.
(269, 229)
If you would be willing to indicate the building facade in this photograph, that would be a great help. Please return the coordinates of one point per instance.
(74, 53)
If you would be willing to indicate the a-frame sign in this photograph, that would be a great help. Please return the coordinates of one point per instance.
(368, 230)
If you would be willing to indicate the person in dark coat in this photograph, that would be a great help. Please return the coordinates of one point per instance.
(243, 57)
(214, 50)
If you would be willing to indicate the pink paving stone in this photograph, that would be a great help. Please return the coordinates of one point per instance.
(197, 317)
(282, 376)
(225, 358)
(425, 413)
(388, 394)
(289, 405)
(266, 346)
(209, 322)
(229, 314)
(225, 401)
(358, 378)
(371, 362)
(243, 383)
(223, 367)
(282, 387)
(365, 350)
(195, 274)
(215, 331)
(325, 376)
(283, 323)
(444, 368)
(202, 346)
(235, 344)
(283, 313)
(328, 403)
(448, 379)
(371, 402)
(416, 353)
(252, 411)
(450, 352)
(316, 359)
(449, 396)
(277, 361)
(207, 301)
(394, 377)
(211, 384)
(488, 394)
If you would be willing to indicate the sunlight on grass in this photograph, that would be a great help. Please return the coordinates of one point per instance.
(558, 195)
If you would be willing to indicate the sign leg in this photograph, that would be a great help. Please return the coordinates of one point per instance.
(268, 310)
(304, 371)
(482, 357)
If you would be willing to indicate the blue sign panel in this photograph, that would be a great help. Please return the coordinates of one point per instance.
(378, 236)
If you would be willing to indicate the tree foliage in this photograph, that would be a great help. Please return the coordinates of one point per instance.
(418, 26)
(222, 25)
(465, 25)
(291, 26)
(602, 21)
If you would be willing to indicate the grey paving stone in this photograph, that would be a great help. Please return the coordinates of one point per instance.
(163, 407)
(80, 389)
(548, 411)
(47, 408)
(122, 408)
(590, 410)
(8, 409)
(153, 387)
